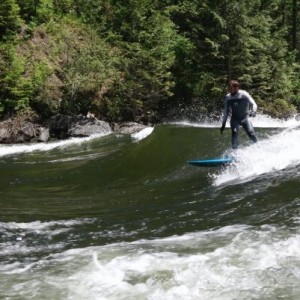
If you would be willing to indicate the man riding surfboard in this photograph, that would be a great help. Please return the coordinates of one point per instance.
(241, 105)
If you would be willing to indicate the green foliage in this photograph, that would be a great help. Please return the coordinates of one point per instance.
(16, 89)
(9, 19)
(28, 9)
(63, 7)
(147, 40)
(44, 11)
(129, 60)
(87, 66)
(39, 11)
(280, 108)
(43, 98)
(146, 65)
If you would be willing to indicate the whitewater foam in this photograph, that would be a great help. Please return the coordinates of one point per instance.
(272, 154)
(142, 134)
(260, 121)
(234, 262)
(6, 150)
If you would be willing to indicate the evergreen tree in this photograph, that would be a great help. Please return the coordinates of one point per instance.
(142, 56)
(16, 89)
(146, 39)
(9, 18)
(38, 11)
(237, 40)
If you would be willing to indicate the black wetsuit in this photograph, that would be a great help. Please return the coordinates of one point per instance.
(240, 105)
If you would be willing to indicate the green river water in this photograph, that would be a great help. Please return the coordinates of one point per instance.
(118, 217)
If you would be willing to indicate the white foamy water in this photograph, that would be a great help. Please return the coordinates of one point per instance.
(235, 262)
(270, 155)
(20, 238)
(138, 136)
(260, 121)
(6, 150)
(263, 121)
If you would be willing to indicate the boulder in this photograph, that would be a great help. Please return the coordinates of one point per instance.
(14, 131)
(88, 127)
(59, 126)
(128, 128)
(44, 135)
(63, 126)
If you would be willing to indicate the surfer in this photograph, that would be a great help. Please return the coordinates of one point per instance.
(242, 106)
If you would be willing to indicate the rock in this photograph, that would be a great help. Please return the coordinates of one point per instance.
(62, 126)
(89, 126)
(5, 131)
(129, 128)
(44, 135)
(15, 131)
(59, 126)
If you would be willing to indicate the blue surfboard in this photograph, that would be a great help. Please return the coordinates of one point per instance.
(213, 162)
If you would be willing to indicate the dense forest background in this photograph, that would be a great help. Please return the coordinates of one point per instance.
(145, 60)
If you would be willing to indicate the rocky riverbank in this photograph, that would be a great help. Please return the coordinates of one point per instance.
(14, 131)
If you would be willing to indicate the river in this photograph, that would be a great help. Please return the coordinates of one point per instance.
(125, 217)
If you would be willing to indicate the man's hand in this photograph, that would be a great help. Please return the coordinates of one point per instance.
(252, 114)
(222, 128)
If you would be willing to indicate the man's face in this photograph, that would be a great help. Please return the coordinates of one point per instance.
(233, 89)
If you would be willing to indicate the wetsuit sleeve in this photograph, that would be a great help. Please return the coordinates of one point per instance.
(253, 105)
(225, 113)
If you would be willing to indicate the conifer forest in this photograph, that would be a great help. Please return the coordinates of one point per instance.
(143, 59)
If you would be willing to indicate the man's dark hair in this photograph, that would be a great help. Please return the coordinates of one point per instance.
(234, 83)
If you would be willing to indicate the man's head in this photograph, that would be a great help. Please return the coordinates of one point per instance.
(233, 87)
